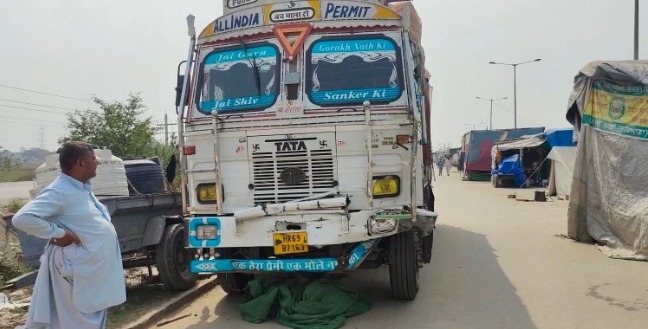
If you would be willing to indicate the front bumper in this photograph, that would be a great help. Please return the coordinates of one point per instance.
(322, 265)
(322, 228)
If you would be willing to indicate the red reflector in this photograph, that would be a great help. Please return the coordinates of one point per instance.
(189, 150)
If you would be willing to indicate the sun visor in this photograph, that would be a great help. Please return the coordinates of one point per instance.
(230, 6)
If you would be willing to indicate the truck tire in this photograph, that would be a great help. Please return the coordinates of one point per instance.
(428, 198)
(403, 265)
(172, 259)
(426, 241)
(233, 283)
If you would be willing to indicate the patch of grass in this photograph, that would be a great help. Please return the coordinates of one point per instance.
(24, 173)
(139, 300)
(11, 255)
(15, 204)
(10, 263)
(18, 311)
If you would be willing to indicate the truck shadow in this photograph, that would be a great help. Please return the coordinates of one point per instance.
(463, 287)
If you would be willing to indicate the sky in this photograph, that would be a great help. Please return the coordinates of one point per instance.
(76, 49)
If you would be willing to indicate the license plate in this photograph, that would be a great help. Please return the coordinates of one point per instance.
(290, 243)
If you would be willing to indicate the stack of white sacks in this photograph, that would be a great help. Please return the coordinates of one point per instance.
(109, 182)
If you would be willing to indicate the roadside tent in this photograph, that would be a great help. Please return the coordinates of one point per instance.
(562, 156)
(532, 151)
(609, 200)
(562, 169)
(477, 145)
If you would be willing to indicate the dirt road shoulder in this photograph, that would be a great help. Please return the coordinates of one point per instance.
(175, 303)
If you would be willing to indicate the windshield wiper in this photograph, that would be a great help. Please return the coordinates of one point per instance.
(255, 69)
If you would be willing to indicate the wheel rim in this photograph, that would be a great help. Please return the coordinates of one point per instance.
(181, 256)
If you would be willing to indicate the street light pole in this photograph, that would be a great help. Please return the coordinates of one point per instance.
(515, 85)
(490, 116)
(515, 96)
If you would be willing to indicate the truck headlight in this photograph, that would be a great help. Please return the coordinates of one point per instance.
(206, 193)
(381, 226)
(388, 186)
(206, 232)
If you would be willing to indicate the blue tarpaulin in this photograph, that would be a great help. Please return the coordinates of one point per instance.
(512, 166)
(560, 137)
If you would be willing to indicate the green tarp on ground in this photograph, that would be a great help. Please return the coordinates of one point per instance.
(302, 304)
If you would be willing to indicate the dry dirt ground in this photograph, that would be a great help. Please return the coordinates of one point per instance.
(9, 319)
(497, 263)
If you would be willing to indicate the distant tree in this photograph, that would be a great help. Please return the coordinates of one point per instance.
(34, 155)
(118, 126)
(8, 163)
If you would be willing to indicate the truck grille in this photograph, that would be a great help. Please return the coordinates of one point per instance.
(317, 165)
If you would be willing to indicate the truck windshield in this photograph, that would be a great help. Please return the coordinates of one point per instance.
(229, 81)
(350, 71)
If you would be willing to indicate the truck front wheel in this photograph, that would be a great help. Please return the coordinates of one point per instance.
(426, 247)
(233, 283)
(426, 241)
(173, 259)
(403, 265)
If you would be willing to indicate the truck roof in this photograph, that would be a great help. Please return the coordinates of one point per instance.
(251, 17)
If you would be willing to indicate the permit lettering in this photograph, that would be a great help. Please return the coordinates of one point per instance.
(347, 11)
(231, 4)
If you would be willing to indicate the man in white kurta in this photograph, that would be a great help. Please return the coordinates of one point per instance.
(81, 273)
(448, 165)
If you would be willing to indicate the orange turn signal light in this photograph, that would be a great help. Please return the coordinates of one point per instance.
(403, 139)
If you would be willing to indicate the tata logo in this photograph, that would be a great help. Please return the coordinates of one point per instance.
(291, 146)
(237, 3)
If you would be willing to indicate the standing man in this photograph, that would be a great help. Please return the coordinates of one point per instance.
(81, 272)
(448, 164)
(460, 163)
(434, 163)
(440, 164)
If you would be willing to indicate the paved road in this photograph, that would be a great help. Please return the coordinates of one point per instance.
(14, 190)
(498, 263)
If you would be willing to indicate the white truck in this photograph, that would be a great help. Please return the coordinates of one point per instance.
(303, 128)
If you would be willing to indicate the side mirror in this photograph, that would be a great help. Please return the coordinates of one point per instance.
(178, 90)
